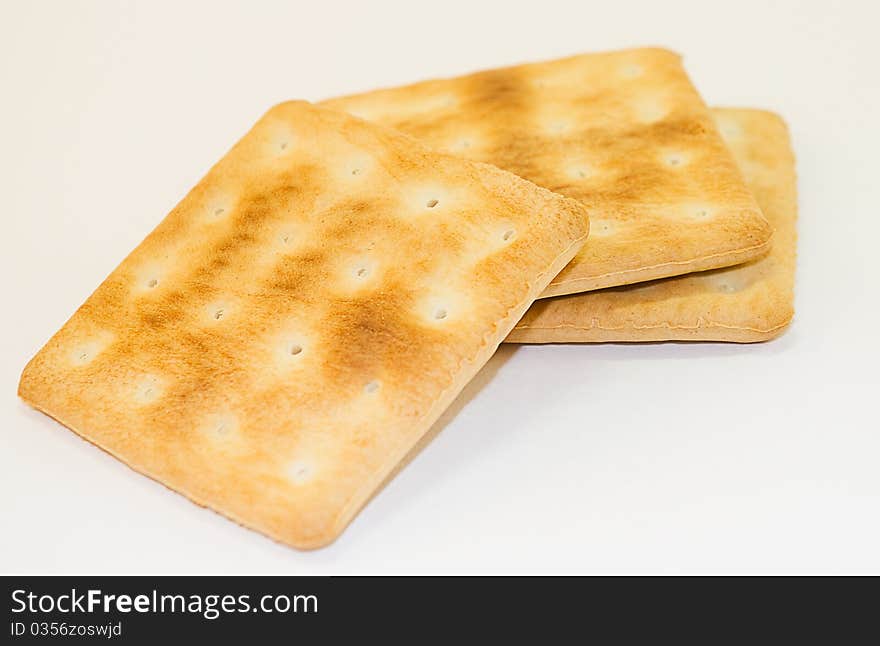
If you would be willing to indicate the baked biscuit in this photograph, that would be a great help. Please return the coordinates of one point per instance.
(746, 303)
(624, 132)
(292, 328)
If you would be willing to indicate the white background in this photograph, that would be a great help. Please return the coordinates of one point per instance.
(611, 458)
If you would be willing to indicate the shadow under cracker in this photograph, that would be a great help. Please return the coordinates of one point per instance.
(482, 378)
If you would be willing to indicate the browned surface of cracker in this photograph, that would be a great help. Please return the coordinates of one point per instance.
(750, 302)
(624, 132)
(288, 332)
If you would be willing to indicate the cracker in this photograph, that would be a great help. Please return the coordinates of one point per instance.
(291, 329)
(751, 302)
(624, 132)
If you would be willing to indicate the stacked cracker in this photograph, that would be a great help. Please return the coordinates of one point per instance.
(288, 333)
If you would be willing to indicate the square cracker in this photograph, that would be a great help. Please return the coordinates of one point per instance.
(624, 132)
(277, 344)
(751, 302)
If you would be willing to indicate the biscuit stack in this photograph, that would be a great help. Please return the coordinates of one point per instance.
(288, 333)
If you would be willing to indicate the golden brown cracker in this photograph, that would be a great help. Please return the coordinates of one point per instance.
(291, 329)
(624, 132)
(749, 302)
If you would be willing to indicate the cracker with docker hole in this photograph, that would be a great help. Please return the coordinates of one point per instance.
(624, 132)
(751, 302)
(289, 331)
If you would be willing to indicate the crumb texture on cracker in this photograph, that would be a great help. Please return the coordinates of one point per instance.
(746, 303)
(296, 323)
(624, 132)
